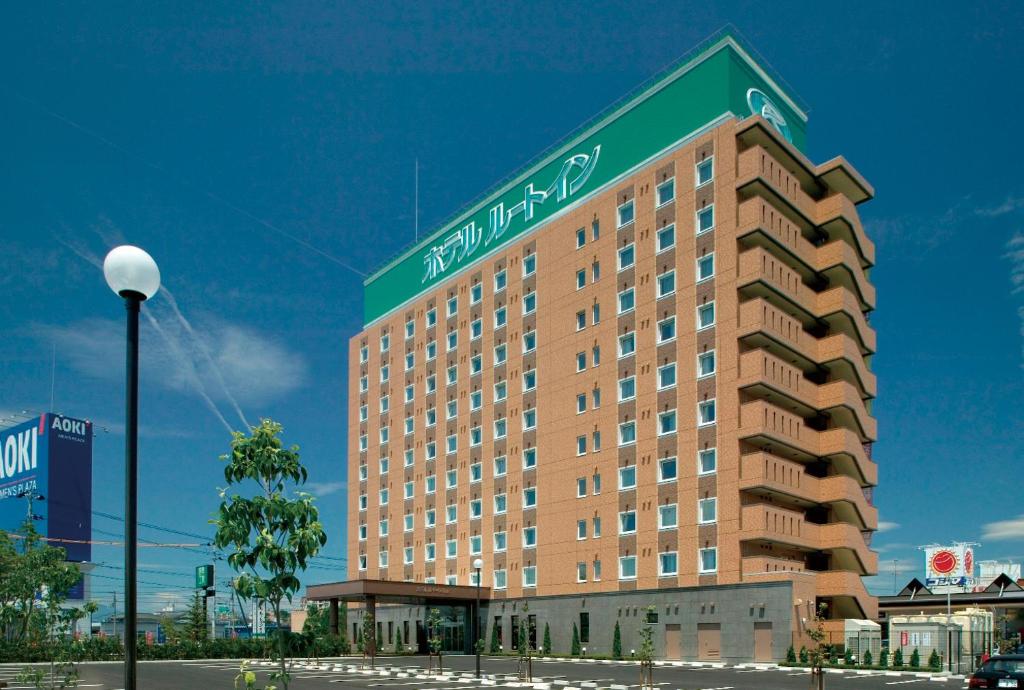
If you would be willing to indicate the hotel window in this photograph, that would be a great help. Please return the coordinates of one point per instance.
(362, 532)
(581, 403)
(529, 265)
(410, 328)
(666, 191)
(627, 388)
(667, 470)
(706, 315)
(707, 510)
(596, 479)
(626, 301)
(407, 553)
(668, 517)
(667, 329)
(364, 384)
(431, 453)
(529, 419)
(451, 548)
(500, 318)
(595, 397)
(363, 442)
(410, 426)
(363, 472)
(385, 343)
(363, 413)
(597, 527)
(500, 542)
(581, 445)
(708, 560)
(666, 376)
(627, 256)
(706, 363)
(407, 522)
(451, 478)
(666, 423)
(453, 340)
(451, 444)
(451, 579)
(500, 504)
(383, 528)
(627, 344)
(500, 354)
(476, 400)
(581, 237)
(597, 441)
(430, 484)
(627, 478)
(410, 360)
(451, 514)
(476, 509)
(625, 213)
(530, 576)
(476, 365)
(581, 572)
(581, 530)
(451, 409)
(476, 436)
(476, 328)
(385, 434)
(529, 537)
(362, 501)
(581, 487)
(668, 563)
(408, 489)
(530, 341)
(705, 267)
(706, 412)
(595, 230)
(431, 350)
(595, 314)
(666, 284)
(364, 354)
(431, 318)
(410, 393)
(529, 302)
(500, 281)
(500, 579)
(385, 373)
(627, 567)
(581, 278)
(597, 570)
(385, 402)
(500, 428)
(666, 238)
(529, 458)
(581, 361)
(476, 472)
(627, 433)
(529, 380)
(453, 306)
(408, 454)
(431, 384)
(384, 465)
(362, 561)
(476, 293)
(500, 466)
(595, 355)
(429, 552)
(595, 271)
(707, 461)
(705, 219)
(705, 171)
(530, 497)
(581, 320)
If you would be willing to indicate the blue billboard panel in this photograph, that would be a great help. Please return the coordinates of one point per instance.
(51, 457)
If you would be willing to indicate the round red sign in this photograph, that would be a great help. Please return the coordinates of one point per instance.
(944, 562)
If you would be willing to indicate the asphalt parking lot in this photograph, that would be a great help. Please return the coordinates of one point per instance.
(407, 673)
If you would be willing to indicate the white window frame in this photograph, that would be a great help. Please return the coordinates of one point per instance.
(630, 469)
(710, 354)
(619, 223)
(622, 529)
(658, 201)
(710, 208)
(631, 249)
(632, 381)
(631, 291)
(675, 330)
(662, 524)
(622, 561)
(710, 160)
(701, 454)
(701, 504)
(706, 305)
(713, 550)
(714, 411)
(622, 426)
(710, 256)
(675, 425)
(661, 564)
(658, 246)
(657, 281)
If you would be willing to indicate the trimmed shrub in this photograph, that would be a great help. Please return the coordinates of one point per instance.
(791, 655)
(866, 661)
(915, 659)
(546, 644)
(576, 650)
(897, 658)
(935, 661)
(805, 656)
(617, 643)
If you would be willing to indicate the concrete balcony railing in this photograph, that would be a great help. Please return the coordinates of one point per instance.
(839, 210)
(761, 272)
(837, 260)
(765, 473)
(764, 565)
(765, 325)
(768, 523)
(850, 597)
(765, 374)
(843, 583)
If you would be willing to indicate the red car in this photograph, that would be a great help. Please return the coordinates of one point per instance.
(1005, 671)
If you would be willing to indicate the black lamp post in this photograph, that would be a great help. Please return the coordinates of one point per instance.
(478, 564)
(132, 274)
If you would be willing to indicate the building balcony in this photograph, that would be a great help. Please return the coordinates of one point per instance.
(765, 376)
(780, 480)
(764, 325)
(762, 274)
(848, 596)
(838, 218)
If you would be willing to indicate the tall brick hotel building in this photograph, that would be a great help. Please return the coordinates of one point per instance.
(638, 373)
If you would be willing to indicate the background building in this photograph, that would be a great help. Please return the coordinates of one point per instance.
(636, 374)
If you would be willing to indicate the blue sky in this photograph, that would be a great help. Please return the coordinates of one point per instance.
(261, 155)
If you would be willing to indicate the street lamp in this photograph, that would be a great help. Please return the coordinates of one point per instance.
(132, 274)
(478, 564)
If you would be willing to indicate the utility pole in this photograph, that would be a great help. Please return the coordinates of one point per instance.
(115, 615)
(894, 562)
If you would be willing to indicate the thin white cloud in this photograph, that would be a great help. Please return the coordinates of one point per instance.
(324, 488)
(884, 526)
(1015, 253)
(1011, 204)
(1004, 529)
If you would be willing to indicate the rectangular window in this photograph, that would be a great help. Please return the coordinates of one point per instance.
(362, 502)
(581, 279)
(500, 579)
(627, 433)
(500, 391)
(451, 548)
(451, 514)
(706, 363)
(451, 479)
(430, 483)
(408, 489)
(627, 256)
(451, 375)
(529, 380)
(581, 403)
(410, 361)
(666, 238)
(530, 341)
(666, 376)
(384, 465)
(529, 302)
(430, 518)
(453, 340)
(707, 461)
(706, 315)
(667, 470)
(705, 171)
(385, 373)
(706, 412)
(530, 576)
(453, 306)
(667, 329)
(707, 510)
(431, 350)
(476, 509)
(627, 344)
(530, 497)
(500, 504)
(476, 328)
(595, 271)
(597, 570)
(666, 191)
(451, 444)
(475, 545)
(595, 355)
(385, 343)
(430, 552)
(581, 529)
(581, 487)
(625, 213)
(364, 354)
(476, 400)
(706, 267)
(627, 388)
(668, 516)
(385, 401)
(362, 532)
(476, 364)
(597, 441)
(627, 522)
(627, 301)
(529, 458)
(408, 557)
(581, 320)
(705, 219)
(431, 454)
(666, 422)
(451, 409)
(529, 265)
(407, 522)
(668, 563)
(431, 384)
(363, 413)
(364, 384)
(500, 428)
(581, 572)
(596, 479)
(581, 361)
(500, 281)
(385, 434)
(431, 318)
(529, 419)
(476, 472)
(595, 314)
(627, 567)
(383, 526)
(627, 477)
(476, 293)
(500, 542)
(362, 561)
(595, 229)
(500, 466)
(500, 354)
(666, 284)
(595, 398)
(529, 537)
(708, 560)
(499, 318)
(581, 237)
(597, 527)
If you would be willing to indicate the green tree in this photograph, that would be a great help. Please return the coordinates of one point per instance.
(791, 655)
(883, 657)
(803, 656)
(398, 641)
(495, 638)
(368, 633)
(817, 654)
(434, 639)
(196, 627)
(897, 658)
(935, 661)
(646, 652)
(915, 659)
(547, 640)
(866, 661)
(576, 650)
(270, 528)
(171, 633)
(317, 622)
(617, 642)
(848, 656)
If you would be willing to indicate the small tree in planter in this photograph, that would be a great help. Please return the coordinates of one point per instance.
(525, 649)
(398, 641)
(935, 661)
(883, 657)
(848, 656)
(617, 643)
(546, 649)
(915, 659)
(803, 654)
(897, 658)
(495, 639)
(818, 653)
(646, 652)
(867, 658)
(575, 649)
(368, 633)
(435, 641)
(790, 655)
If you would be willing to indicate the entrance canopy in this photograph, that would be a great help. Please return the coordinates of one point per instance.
(391, 592)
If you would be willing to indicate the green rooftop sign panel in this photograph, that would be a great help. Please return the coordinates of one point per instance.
(721, 81)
